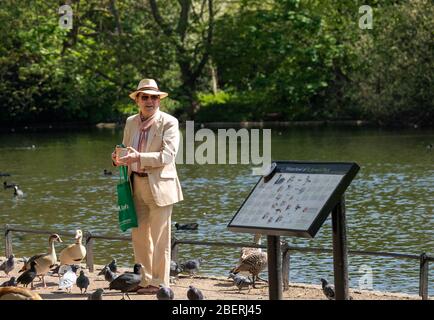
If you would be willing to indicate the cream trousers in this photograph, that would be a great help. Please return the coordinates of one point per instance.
(151, 239)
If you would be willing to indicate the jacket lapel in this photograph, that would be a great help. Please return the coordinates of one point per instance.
(153, 131)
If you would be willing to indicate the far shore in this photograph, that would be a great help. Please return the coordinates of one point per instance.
(22, 128)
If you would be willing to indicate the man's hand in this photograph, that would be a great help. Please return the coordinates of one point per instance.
(132, 156)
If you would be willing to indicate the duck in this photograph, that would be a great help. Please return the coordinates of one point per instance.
(5, 174)
(7, 185)
(44, 261)
(252, 260)
(187, 226)
(246, 251)
(107, 173)
(74, 253)
(18, 192)
(15, 293)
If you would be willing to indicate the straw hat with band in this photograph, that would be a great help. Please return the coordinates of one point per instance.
(148, 86)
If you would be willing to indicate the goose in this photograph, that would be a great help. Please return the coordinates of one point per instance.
(15, 293)
(74, 253)
(44, 261)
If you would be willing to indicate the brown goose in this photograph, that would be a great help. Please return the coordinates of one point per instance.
(44, 261)
(74, 253)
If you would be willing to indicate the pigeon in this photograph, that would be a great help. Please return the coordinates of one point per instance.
(241, 281)
(127, 281)
(7, 185)
(97, 295)
(187, 226)
(328, 290)
(68, 279)
(109, 276)
(82, 282)
(18, 192)
(113, 266)
(8, 265)
(12, 282)
(175, 269)
(29, 275)
(165, 293)
(192, 266)
(194, 294)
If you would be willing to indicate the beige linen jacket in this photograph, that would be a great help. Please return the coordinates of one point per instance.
(158, 160)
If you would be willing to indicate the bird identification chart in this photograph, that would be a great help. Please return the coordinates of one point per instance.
(295, 199)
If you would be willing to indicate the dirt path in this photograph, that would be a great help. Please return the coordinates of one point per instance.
(213, 288)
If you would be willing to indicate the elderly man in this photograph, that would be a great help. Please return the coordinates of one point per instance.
(152, 139)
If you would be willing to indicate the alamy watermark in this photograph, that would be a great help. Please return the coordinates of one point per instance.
(65, 21)
(223, 147)
(365, 21)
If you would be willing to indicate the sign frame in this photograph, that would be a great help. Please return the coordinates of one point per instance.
(351, 169)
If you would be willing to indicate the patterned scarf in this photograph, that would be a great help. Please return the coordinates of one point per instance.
(141, 137)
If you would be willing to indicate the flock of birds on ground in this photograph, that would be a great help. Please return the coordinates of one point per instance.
(252, 261)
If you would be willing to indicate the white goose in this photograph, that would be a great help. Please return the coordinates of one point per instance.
(74, 253)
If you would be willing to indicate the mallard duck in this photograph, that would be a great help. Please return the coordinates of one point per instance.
(246, 251)
(253, 262)
(44, 261)
(74, 253)
(15, 293)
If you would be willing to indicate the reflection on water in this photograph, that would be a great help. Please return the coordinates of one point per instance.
(389, 204)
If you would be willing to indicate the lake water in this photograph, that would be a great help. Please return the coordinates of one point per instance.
(389, 204)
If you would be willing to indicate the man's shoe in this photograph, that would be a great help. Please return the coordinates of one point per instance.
(147, 290)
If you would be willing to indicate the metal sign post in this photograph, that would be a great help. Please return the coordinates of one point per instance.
(340, 252)
(274, 268)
